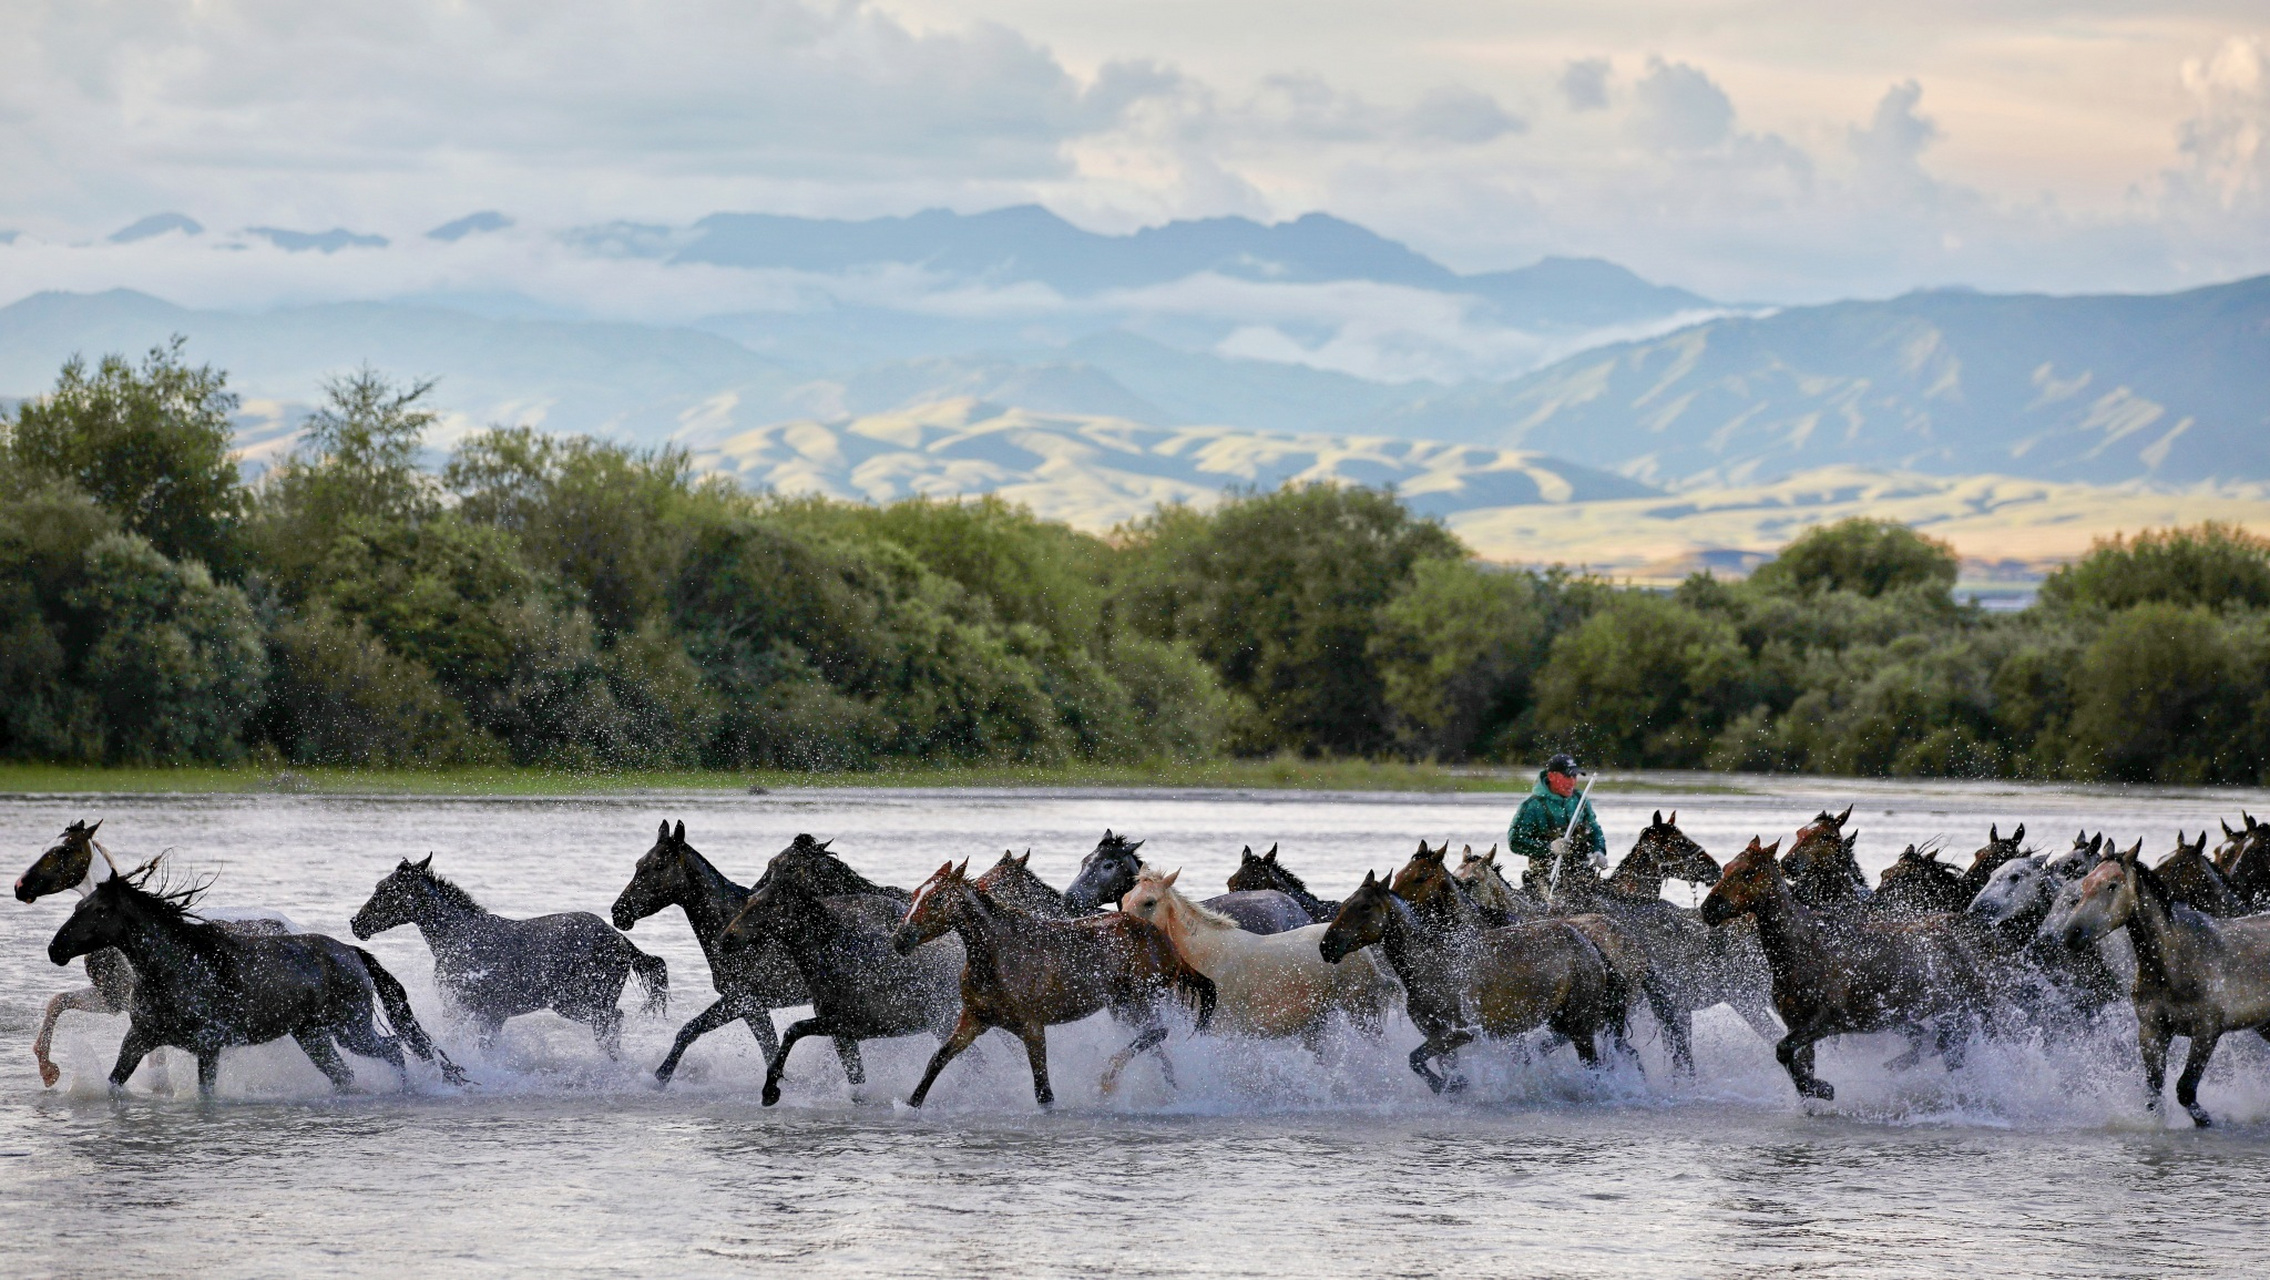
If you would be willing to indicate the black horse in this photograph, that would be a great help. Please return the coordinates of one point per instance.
(750, 983)
(862, 989)
(496, 967)
(1107, 874)
(203, 988)
(1261, 871)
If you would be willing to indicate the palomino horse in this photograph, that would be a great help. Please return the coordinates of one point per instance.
(77, 862)
(2196, 976)
(1012, 881)
(1920, 977)
(1109, 872)
(862, 988)
(1269, 984)
(1025, 975)
(495, 967)
(1262, 873)
(1498, 983)
(203, 988)
(750, 983)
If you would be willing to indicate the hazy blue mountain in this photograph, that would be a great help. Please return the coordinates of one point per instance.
(331, 241)
(2103, 389)
(157, 224)
(471, 224)
(1029, 243)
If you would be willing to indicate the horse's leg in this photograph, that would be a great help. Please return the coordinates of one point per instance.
(779, 1063)
(1795, 1052)
(759, 1019)
(319, 1050)
(131, 1051)
(2203, 1040)
(606, 1023)
(1678, 1024)
(208, 1072)
(847, 1053)
(708, 1020)
(85, 1000)
(1143, 1043)
(1916, 1034)
(965, 1031)
(2152, 1036)
(363, 1037)
(1953, 1041)
(1035, 1037)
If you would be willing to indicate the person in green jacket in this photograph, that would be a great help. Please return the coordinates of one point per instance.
(1544, 819)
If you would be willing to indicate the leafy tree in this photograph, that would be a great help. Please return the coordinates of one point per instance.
(1280, 593)
(1456, 650)
(2211, 565)
(151, 444)
(174, 660)
(2160, 698)
(1867, 557)
(1645, 681)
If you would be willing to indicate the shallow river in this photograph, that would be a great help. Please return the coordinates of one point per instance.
(1266, 1161)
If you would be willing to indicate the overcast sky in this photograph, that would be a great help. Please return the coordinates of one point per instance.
(1779, 150)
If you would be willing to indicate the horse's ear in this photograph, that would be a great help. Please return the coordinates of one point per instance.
(2017, 833)
(1994, 833)
(1753, 846)
(1026, 861)
(1658, 817)
(1771, 849)
(962, 872)
(1842, 818)
(1674, 819)
(97, 827)
(1170, 877)
(1270, 856)
(427, 865)
(663, 836)
(680, 834)
(2228, 834)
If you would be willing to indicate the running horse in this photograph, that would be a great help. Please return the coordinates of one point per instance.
(1822, 872)
(1025, 975)
(1108, 872)
(1012, 881)
(78, 863)
(1865, 974)
(2196, 976)
(1262, 873)
(203, 988)
(495, 967)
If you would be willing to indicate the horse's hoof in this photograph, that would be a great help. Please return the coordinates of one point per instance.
(770, 1096)
(49, 1073)
(1454, 1084)
(2199, 1117)
(1817, 1089)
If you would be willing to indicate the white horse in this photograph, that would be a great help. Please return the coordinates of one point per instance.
(77, 863)
(1268, 985)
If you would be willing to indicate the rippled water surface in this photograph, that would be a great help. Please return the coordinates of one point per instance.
(1267, 1161)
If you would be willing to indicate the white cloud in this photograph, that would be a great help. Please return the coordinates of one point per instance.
(1681, 109)
(2226, 144)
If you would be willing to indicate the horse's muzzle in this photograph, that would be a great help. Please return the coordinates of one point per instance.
(24, 891)
(904, 940)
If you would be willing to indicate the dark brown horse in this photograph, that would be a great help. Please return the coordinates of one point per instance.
(2235, 842)
(1025, 974)
(1012, 881)
(1920, 977)
(1997, 850)
(2196, 976)
(1822, 871)
(2189, 877)
(1498, 983)
(2247, 868)
(1917, 884)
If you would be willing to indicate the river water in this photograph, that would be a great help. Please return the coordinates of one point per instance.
(1266, 1161)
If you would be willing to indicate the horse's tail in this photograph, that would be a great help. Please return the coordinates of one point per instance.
(1196, 990)
(405, 1023)
(653, 973)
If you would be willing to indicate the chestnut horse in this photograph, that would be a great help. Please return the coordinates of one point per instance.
(1026, 974)
(1485, 882)
(1497, 983)
(1920, 977)
(1012, 881)
(2196, 976)
(1823, 874)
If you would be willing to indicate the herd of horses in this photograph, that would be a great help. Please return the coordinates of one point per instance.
(1798, 945)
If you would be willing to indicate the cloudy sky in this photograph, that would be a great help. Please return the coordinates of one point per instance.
(1750, 149)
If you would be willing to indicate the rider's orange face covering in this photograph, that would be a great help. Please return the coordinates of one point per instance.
(1561, 783)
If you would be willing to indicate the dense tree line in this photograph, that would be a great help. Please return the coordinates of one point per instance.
(573, 603)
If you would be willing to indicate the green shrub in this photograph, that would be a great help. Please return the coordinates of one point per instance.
(1859, 555)
(2210, 565)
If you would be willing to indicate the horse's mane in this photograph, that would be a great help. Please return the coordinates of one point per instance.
(1195, 907)
(176, 902)
(1286, 874)
(450, 893)
(804, 845)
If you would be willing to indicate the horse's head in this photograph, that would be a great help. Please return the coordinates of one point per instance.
(658, 880)
(1425, 878)
(1748, 882)
(1824, 824)
(2016, 889)
(936, 905)
(1997, 850)
(2105, 901)
(1676, 855)
(1254, 870)
(1105, 875)
(1151, 899)
(1820, 867)
(396, 900)
(1918, 881)
(114, 911)
(66, 864)
(1362, 920)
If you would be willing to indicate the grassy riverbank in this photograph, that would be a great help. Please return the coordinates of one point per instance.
(1280, 773)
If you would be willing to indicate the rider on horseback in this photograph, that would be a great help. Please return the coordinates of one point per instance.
(1542, 831)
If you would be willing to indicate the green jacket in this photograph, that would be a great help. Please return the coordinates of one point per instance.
(1544, 816)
